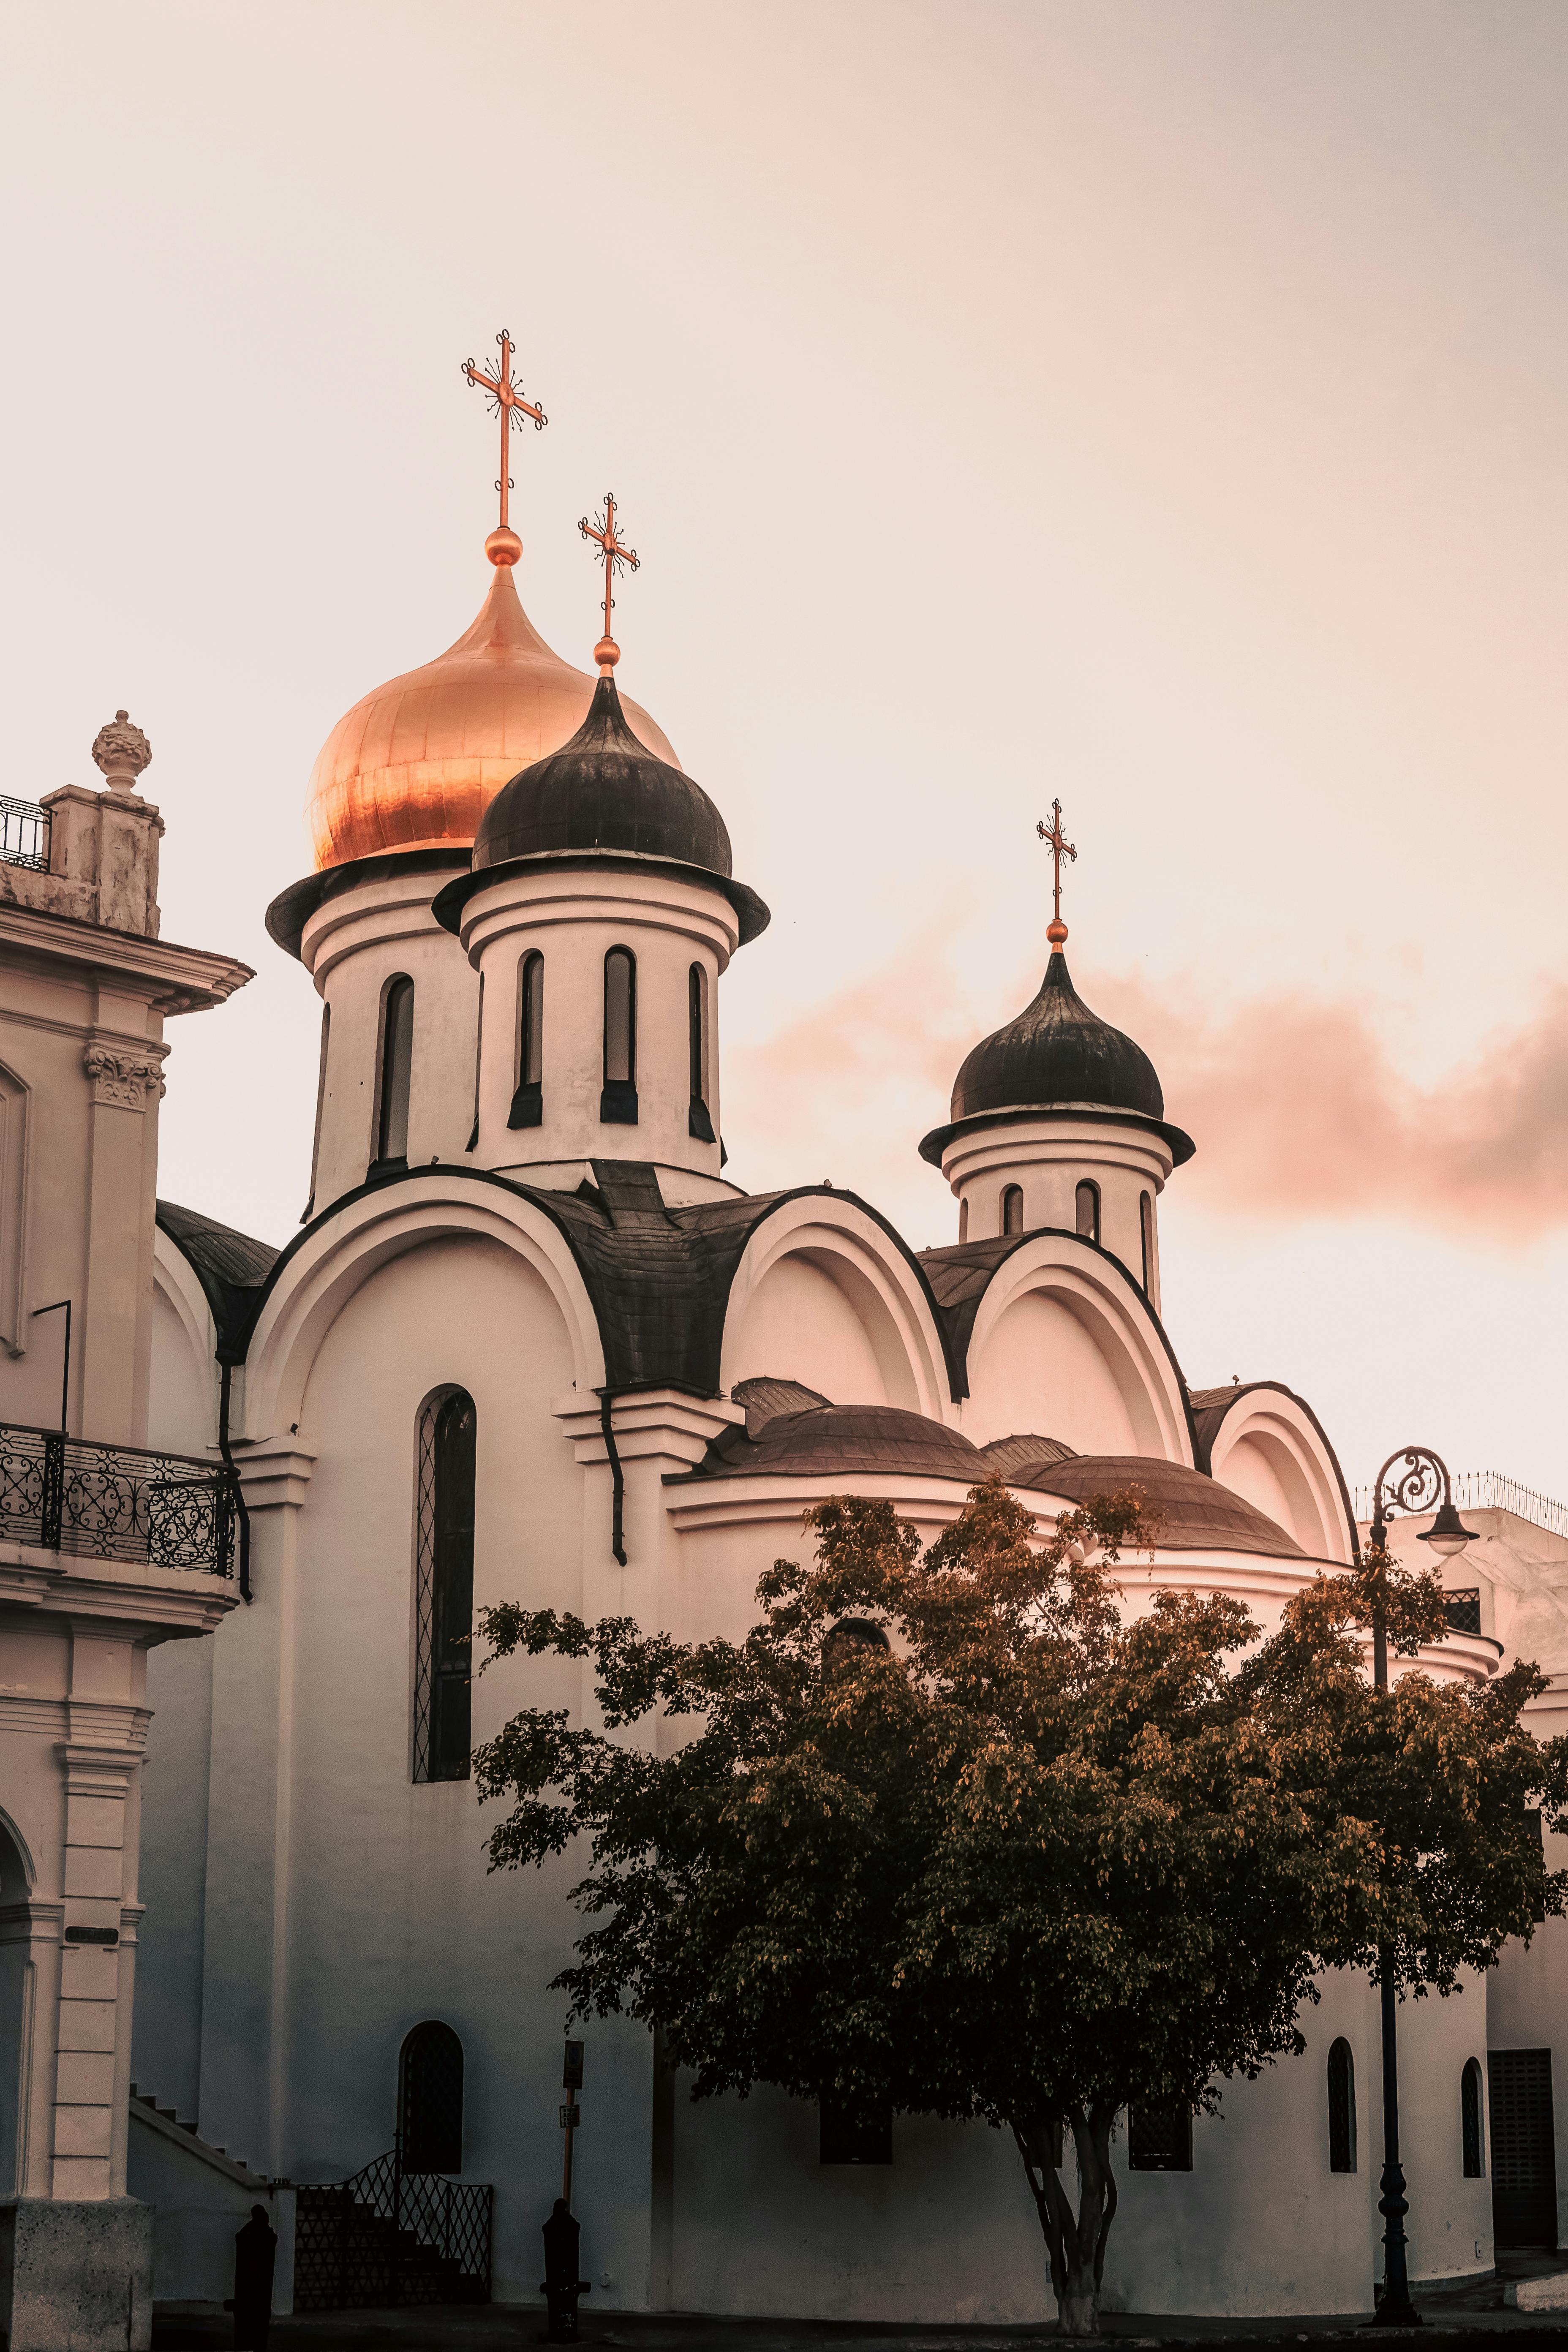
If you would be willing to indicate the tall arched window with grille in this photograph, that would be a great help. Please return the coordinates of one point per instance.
(1341, 2108)
(1088, 1208)
(430, 2100)
(1013, 1208)
(396, 1068)
(444, 1587)
(527, 1095)
(1470, 2130)
(618, 1102)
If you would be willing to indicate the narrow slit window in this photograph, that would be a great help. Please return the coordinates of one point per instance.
(1342, 2108)
(963, 1221)
(1146, 1231)
(1013, 1208)
(444, 1589)
(528, 1086)
(618, 1103)
(396, 1067)
(473, 1142)
(1470, 2120)
(320, 1107)
(700, 1123)
(1088, 1207)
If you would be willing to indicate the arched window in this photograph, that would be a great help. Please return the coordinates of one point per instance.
(1088, 1204)
(444, 1588)
(963, 1221)
(699, 1121)
(396, 1063)
(1013, 1208)
(1342, 2108)
(473, 1142)
(1470, 2120)
(1146, 1231)
(618, 1102)
(307, 1212)
(528, 1095)
(430, 2100)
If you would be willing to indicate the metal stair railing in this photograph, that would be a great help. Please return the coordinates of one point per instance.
(385, 2239)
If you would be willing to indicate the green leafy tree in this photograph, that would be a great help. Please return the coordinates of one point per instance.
(1035, 1858)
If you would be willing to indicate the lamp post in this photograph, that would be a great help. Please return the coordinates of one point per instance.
(1412, 1480)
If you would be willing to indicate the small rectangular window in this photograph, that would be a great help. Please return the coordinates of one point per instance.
(1159, 2137)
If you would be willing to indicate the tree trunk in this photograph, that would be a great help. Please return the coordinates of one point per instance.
(1075, 2243)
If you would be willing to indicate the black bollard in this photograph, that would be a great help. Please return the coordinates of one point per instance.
(561, 2285)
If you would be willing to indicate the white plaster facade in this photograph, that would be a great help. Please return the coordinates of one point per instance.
(603, 1295)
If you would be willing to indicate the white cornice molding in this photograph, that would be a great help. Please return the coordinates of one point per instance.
(649, 1424)
(167, 1601)
(274, 1472)
(175, 979)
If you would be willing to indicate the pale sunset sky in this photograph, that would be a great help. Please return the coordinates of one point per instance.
(1160, 405)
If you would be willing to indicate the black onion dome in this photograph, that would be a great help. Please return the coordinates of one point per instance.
(604, 792)
(1057, 1051)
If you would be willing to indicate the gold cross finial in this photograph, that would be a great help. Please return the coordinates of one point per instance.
(503, 546)
(1060, 847)
(617, 556)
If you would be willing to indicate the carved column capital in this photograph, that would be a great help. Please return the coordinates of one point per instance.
(124, 1076)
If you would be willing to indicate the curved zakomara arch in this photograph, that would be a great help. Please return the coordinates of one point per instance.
(338, 1256)
(837, 1233)
(178, 1279)
(18, 1872)
(1284, 1436)
(1099, 1293)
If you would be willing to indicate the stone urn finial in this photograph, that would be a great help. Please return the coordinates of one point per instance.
(121, 750)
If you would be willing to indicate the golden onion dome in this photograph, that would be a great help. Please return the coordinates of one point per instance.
(415, 763)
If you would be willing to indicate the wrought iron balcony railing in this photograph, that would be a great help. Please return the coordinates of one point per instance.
(24, 835)
(115, 1502)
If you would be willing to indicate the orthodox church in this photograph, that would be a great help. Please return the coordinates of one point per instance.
(530, 1343)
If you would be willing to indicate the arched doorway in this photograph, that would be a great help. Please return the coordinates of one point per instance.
(430, 2100)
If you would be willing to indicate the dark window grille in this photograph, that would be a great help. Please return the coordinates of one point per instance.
(397, 1069)
(1470, 2120)
(619, 1101)
(1463, 1610)
(1087, 1205)
(1013, 1208)
(855, 2131)
(528, 1095)
(1524, 2163)
(1342, 2108)
(444, 1589)
(1159, 2137)
(24, 835)
(430, 2100)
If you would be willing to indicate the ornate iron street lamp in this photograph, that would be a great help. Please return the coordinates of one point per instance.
(1412, 1481)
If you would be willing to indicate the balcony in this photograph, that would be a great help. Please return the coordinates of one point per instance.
(24, 835)
(115, 1502)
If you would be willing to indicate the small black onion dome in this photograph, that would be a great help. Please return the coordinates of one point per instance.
(1057, 1051)
(603, 790)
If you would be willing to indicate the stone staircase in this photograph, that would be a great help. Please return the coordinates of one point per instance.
(145, 2109)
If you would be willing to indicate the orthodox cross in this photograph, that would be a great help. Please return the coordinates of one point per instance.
(617, 556)
(504, 397)
(1060, 847)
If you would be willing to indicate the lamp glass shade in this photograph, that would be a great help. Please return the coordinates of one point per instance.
(1445, 1535)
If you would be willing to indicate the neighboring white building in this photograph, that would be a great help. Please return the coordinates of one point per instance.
(531, 1343)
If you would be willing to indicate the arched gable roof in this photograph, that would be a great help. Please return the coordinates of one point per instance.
(961, 1272)
(1212, 1407)
(659, 1278)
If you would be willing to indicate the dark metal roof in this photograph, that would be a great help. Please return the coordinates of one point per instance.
(1056, 1053)
(1005, 1454)
(231, 1268)
(831, 1440)
(1210, 1407)
(604, 789)
(765, 1399)
(1199, 1514)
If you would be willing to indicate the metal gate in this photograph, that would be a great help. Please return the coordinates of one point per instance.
(386, 2239)
(1524, 2157)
